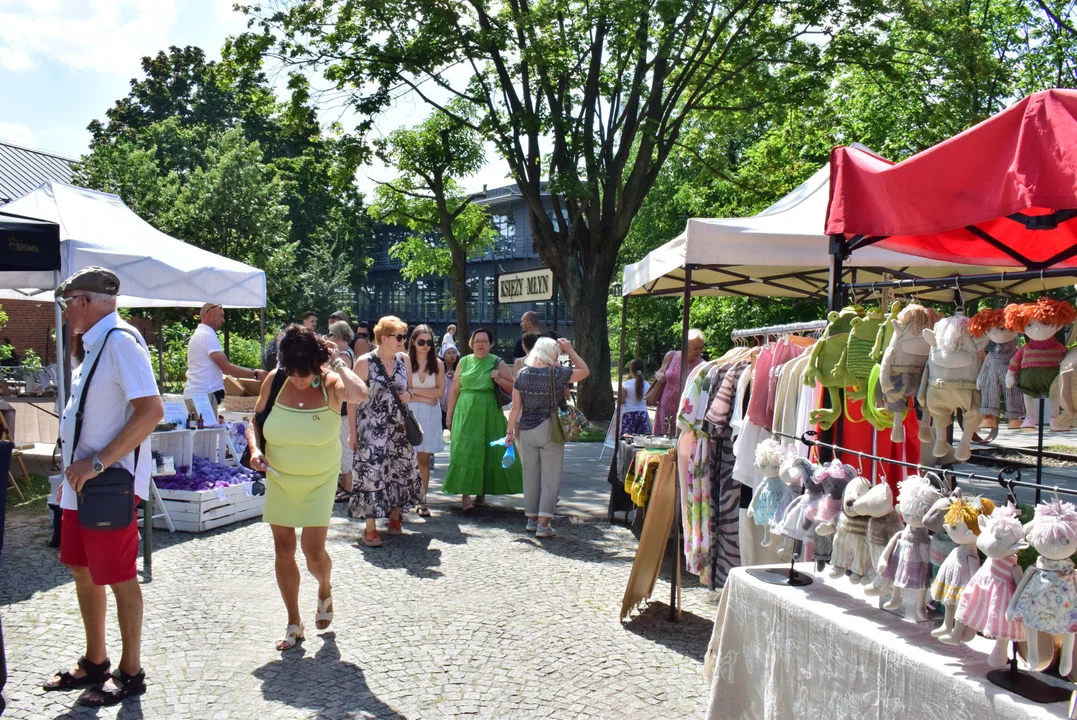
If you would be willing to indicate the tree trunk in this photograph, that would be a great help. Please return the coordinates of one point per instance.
(459, 291)
(586, 299)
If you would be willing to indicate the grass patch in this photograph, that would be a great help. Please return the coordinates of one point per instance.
(1067, 449)
(34, 493)
(591, 435)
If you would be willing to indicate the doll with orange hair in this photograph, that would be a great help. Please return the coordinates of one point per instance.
(991, 382)
(1035, 366)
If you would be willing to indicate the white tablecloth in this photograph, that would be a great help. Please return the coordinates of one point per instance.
(826, 652)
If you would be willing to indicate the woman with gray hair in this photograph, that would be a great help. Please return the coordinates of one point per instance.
(539, 385)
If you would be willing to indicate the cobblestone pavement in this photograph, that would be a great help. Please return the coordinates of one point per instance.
(461, 616)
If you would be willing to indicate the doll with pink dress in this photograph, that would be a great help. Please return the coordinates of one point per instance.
(984, 600)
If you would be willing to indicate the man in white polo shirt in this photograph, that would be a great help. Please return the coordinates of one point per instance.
(119, 408)
(206, 361)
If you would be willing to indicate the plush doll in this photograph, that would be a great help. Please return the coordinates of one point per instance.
(826, 366)
(769, 456)
(906, 561)
(985, 599)
(962, 526)
(949, 383)
(850, 553)
(794, 472)
(903, 361)
(935, 522)
(1046, 599)
(1064, 393)
(1035, 366)
(877, 504)
(833, 477)
(798, 523)
(994, 393)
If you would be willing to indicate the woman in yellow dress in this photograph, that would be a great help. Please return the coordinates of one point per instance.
(301, 460)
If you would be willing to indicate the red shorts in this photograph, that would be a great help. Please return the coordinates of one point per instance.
(110, 555)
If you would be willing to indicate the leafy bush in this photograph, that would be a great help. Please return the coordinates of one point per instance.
(245, 352)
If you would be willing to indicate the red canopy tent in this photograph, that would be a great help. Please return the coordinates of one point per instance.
(1003, 193)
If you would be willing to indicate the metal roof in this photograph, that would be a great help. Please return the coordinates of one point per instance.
(23, 169)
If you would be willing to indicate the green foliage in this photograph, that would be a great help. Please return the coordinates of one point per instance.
(31, 362)
(5, 349)
(323, 282)
(242, 351)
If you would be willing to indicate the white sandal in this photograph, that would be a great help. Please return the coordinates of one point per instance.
(292, 635)
(324, 613)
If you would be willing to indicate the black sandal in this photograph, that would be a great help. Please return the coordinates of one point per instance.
(96, 673)
(129, 685)
(342, 494)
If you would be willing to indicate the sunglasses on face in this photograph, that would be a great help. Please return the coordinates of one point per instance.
(65, 302)
(399, 338)
(424, 343)
(362, 335)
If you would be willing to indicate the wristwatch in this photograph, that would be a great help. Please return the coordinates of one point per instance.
(337, 364)
(98, 466)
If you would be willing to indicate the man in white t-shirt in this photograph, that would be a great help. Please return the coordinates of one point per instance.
(206, 361)
(121, 409)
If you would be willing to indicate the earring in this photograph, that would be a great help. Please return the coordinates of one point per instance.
(316, 381)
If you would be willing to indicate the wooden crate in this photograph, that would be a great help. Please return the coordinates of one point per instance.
(212, 444)
(202, 510)
(177, 443)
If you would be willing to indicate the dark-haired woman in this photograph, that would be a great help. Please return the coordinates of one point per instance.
(475, 420)
(427, 388)
(301, 459)
(634, 417)
(387, 481)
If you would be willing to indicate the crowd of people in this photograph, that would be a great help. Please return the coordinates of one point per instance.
(354, 415)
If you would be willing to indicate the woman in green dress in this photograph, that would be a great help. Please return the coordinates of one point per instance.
(300, 457)
(475, 420)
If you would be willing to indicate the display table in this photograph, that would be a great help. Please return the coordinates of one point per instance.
(827, 651)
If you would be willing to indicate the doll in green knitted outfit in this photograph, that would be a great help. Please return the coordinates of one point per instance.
(1035, 365)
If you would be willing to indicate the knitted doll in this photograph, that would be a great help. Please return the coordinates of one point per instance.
(962, 526)
(1046, 599)
(851, 553)
(877, 504)
(985, 599)
(769, 456)
(949, 383)
(798, 523)
(794, 472)
(906, 560)
(833, 477)
(991, 324)
(1035, 365)
(903, 362)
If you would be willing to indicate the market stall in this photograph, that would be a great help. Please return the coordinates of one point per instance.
(1002, 194)
(154, 269)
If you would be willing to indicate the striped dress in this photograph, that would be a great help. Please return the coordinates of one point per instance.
(725, 491)
(983, 603)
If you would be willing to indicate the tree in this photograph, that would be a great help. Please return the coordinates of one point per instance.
(449, 227)
(585, 100)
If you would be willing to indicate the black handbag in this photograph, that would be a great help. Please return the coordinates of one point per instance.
(411, 426)
(260, 418)
(107, 501)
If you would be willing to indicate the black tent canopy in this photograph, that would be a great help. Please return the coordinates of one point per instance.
(28, 245)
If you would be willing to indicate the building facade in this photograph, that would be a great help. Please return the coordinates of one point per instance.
(430, 299)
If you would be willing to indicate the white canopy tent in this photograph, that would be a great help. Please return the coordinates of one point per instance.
(155, 270)
(783, 252)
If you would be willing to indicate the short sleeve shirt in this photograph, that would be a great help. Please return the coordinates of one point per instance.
(123, 374)
(203, 375)
(534, 387)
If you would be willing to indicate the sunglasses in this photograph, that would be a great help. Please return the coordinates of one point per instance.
(362, 335)
(258, 488)
(65, 302)
(399, 338)
(425, 343)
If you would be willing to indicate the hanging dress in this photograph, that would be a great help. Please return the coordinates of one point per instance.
(386, 471)
(474, 466)
(304, 447)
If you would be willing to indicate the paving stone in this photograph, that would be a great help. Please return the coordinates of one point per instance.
(463, 616)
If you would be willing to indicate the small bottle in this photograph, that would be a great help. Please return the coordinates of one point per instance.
(191, 423)
(201, 422)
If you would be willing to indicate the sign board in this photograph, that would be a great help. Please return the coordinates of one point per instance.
(176, 412)
(202, 405)
(526, 286)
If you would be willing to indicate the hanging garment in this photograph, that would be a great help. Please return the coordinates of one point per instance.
(725, 490)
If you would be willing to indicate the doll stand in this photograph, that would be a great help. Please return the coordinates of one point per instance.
(782, 575)
(1026, 684)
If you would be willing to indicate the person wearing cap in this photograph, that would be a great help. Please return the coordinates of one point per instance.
(206, 361)
(121, 409)
(340, 316)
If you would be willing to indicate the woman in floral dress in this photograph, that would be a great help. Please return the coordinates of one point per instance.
(386, 479)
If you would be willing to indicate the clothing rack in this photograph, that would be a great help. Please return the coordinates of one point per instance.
(787, 328)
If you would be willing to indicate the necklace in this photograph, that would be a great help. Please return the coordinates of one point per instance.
(300, 404)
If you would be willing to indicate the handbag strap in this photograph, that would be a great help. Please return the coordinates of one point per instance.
(85, 392)
(554, 410)
(389, 383)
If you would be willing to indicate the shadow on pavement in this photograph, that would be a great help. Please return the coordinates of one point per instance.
(321, 682)
(689, 636)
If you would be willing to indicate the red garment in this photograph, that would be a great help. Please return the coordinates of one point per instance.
(765, 381)
(110, 555)
(1023, 160)
(858, 436)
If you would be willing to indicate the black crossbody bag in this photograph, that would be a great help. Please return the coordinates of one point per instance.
(106, 502)
(260, 418)
(411, 426)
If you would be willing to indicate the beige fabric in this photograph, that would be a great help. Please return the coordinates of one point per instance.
(827, 651)
(657, 523)
(751, 550)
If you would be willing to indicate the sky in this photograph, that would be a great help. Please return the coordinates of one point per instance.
(63, 63)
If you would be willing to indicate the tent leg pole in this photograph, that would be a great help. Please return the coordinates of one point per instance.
(61, 385)
(620, 374)
(160, 351)
(262, 323)
(675, 585)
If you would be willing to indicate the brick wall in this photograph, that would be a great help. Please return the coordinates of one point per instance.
(29, 323)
